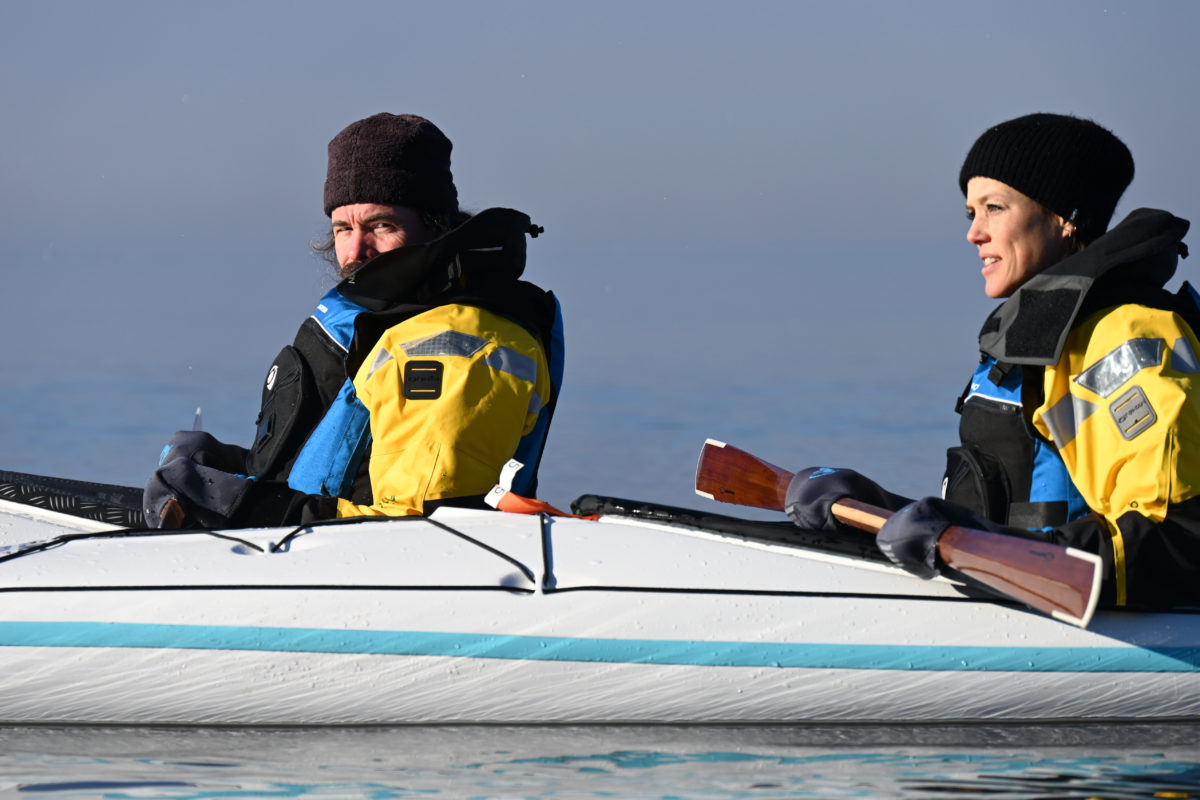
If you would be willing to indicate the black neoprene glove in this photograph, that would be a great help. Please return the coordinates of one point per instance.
(202, 475)
(208, 496)
(205, 477)
(813, 491)
(910, 537)
(204, 448)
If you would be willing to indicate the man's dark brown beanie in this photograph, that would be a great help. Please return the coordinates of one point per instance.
(392, 159)
(1072, 166)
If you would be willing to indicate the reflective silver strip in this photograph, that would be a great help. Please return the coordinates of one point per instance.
(512, 362)
(446, 343)
(381, 358)
(535, 403)
(1111, 372)
(1000, 401)
(1183, 358)
(328, 333)
(1063, 418)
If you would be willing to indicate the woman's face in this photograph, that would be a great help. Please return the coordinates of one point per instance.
(1016, 236)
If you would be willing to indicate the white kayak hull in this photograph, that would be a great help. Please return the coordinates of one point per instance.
(484, 617)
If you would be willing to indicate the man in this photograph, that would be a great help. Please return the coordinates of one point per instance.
(418, 376)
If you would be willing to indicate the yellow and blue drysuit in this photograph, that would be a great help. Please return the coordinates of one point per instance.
(1082, 421)
(415, 380)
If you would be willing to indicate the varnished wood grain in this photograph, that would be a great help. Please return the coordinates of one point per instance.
(1050, 578)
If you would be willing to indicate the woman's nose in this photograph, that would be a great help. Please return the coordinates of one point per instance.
(976, 234)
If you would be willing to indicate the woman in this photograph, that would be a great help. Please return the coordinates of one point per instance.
(1080, 426)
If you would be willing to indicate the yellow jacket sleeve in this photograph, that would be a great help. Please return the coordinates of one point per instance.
(450, 393)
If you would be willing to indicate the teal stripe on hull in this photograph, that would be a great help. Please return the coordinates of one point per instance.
(944, 658)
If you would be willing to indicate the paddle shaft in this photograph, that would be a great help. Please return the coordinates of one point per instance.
(863, 516)
(173, 514)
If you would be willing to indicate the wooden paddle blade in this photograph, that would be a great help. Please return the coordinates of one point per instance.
(1060, 581)
(730, 475)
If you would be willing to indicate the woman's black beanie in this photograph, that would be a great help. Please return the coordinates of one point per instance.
(1072, 166)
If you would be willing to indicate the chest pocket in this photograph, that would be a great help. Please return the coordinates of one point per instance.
(1001, 470)
(977, 481)
(291, 406)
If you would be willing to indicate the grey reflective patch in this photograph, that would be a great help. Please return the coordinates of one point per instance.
(1063, 418)
(535, 404)
(328, 333)
(381, 358)
(1111, 372)
(513, 363)
(446, 343)
(1183, 358)
(1132, 412)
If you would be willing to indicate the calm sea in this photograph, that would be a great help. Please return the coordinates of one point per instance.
(805, 355)
(605, 762)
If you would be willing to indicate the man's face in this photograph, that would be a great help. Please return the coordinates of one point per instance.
(364, 230)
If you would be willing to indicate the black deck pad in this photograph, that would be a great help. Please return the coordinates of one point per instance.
(856, 545)
(116, 505)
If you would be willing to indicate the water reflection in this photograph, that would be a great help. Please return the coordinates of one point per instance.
(1009, 761)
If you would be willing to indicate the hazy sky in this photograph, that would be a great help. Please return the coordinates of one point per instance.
(612, 120)
(161, 163)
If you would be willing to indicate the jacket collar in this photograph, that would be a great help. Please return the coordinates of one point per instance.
(1137, 255)
(485, 251)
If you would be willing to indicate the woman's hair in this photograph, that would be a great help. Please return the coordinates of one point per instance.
(438, 223)
(1075, 241)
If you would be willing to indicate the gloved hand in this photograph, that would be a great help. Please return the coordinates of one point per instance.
(209, 497)
(202, 475)
(203, 448)
(910, 537)
(813, 491)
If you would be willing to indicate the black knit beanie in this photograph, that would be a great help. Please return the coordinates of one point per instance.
(392, 159)
(1072, 166)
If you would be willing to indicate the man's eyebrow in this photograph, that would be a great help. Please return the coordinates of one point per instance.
(382, 216)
